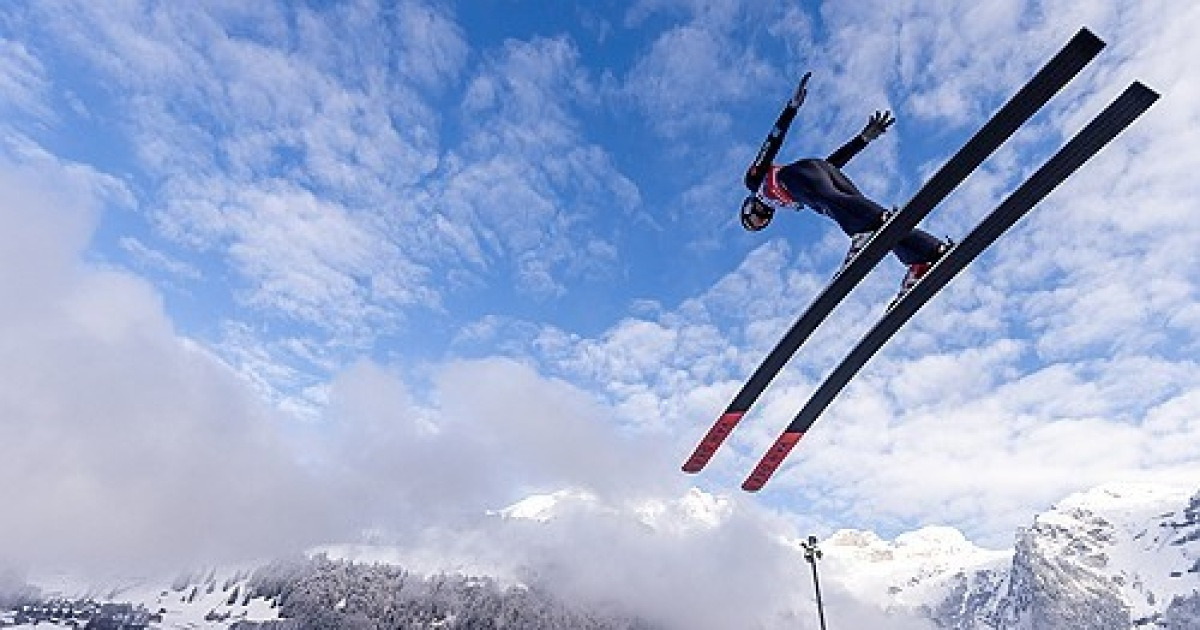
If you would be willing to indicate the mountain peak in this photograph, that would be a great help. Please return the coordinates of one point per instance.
(545, 507)
(695, 509)
(1125, 496)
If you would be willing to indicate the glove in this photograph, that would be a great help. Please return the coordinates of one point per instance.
(801, 91)
(878, 124)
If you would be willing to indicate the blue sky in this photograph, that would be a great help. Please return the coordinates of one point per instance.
(356, 257)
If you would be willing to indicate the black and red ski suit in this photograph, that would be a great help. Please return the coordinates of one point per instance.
(822, 186)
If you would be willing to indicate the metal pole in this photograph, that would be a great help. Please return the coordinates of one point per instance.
(812, 554)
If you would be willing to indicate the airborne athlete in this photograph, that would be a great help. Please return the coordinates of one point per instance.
(822, 186)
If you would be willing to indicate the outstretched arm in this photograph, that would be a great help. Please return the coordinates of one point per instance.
(876, 126)
(768, 150)
(770, 146)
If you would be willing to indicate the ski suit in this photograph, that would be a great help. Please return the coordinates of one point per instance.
(822, 186)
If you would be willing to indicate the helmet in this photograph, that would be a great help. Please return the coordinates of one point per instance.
(755, 214)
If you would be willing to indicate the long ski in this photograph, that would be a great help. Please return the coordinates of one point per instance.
(1136, 99)
(1069, 61)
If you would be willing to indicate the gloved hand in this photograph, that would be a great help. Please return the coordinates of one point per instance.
(878, 124)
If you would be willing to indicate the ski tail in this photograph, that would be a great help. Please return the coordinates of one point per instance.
(1051, 78)
(771, 461)
(711, 442)
(1118, 116)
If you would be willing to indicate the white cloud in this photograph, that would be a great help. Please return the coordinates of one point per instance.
(220, 120)
(317, 261)
(480, 434)
(259, 125)
(523, 190)
(124, 444)
(333, 190)
(23, 81)
(158, 260)
(434, 46)
(692, 72)
(687, 75)
(128, 446)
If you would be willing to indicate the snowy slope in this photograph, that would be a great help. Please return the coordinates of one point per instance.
(192, 601)
(909, 572)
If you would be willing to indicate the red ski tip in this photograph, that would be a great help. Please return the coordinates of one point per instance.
(712, 441)
(771, 461)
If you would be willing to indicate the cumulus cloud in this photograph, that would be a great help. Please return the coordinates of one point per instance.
(22, 81)
(486, 433)
(339, 192)
(644, 557)
(127, 443)
(522, 193)
(124, 443)
(270, 152)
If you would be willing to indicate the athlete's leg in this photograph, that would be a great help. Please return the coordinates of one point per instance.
(832, 193)
(918, 247)
(812, 182)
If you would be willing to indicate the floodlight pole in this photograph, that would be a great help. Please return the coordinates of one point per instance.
(812, 554)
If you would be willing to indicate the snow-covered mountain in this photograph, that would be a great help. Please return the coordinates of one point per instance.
(1117, 557)
(696, 509)
(194, 600)
(906, 573)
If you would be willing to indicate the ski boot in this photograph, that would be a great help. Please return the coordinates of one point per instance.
(860, 240)
(857, 242)
(916, 271)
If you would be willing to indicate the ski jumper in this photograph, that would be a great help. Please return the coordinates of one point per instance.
(822, 186)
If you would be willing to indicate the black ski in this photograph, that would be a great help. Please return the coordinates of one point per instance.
(1090, 140)
(1069, 61)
